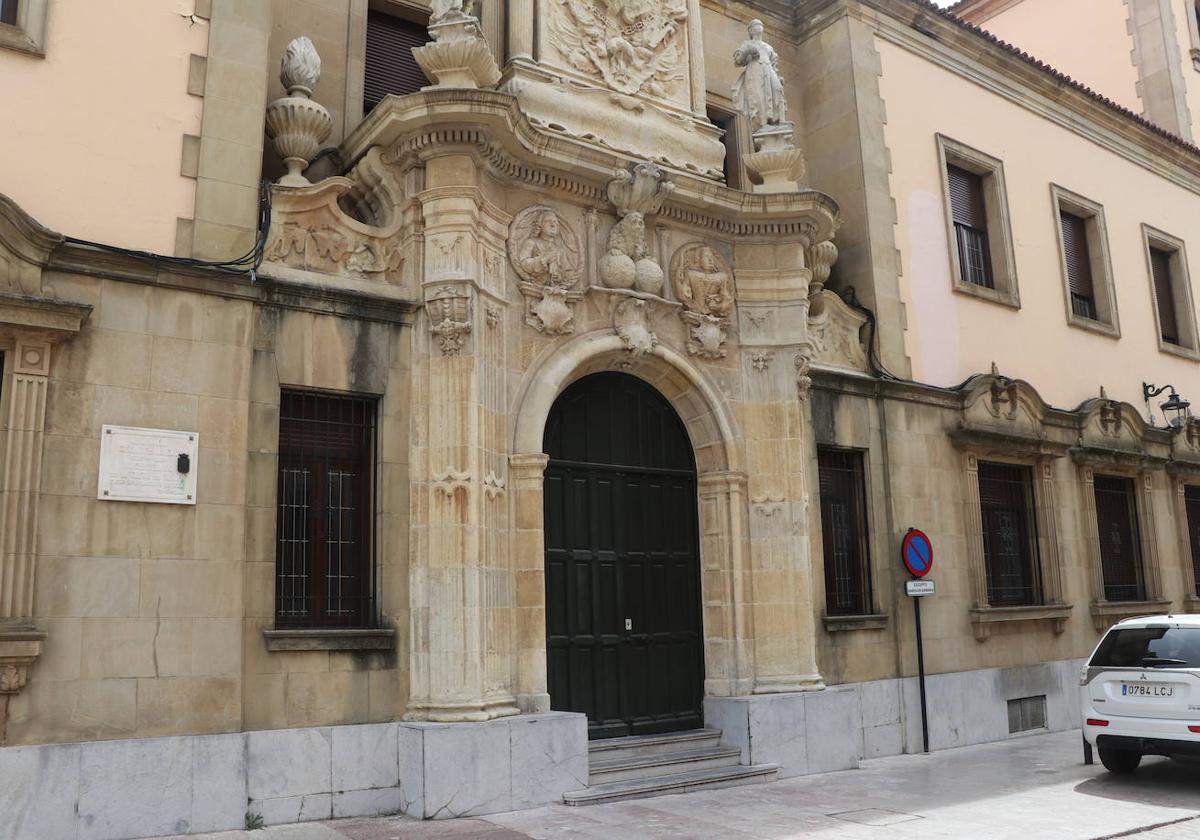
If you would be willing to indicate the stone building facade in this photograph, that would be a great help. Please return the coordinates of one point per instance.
(585, 389)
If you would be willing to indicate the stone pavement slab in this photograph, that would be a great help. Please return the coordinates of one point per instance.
(1025, 788)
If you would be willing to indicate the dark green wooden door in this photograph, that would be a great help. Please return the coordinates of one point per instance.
(622, 563)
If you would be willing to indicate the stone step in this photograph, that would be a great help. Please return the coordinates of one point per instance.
(646, 745)
(710, 778)
(624, 767)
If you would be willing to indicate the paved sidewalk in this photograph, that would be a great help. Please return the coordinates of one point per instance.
(1022, 789)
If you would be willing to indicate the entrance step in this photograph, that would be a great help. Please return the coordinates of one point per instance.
(713, 777)
(651, 765)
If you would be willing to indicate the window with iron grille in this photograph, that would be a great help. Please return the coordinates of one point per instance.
(390, 66)
(1079, 264)
(8, 12)
(1026, 713)
(970, 225)
(844, 531)
(1120, 551)
(1191, 503)
(1009, 535)
(1164, 293)
(324, 574)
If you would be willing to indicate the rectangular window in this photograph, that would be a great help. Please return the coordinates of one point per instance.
(1026, 714)
(1009, 535)
(1191, 503)
(844, 532)
(390, 66)
(970, 226)
(1164, 294)
(1120, 549)
(8, 12)
(323, 569)
(1079, 265)
(735, 149)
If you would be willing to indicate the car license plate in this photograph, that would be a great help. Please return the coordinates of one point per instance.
(1147, 690)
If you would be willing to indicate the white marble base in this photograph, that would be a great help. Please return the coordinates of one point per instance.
(815, 732)
(468, 769)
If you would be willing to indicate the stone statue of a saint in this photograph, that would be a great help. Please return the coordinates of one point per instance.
(702, 282)
(447, 11)
(758, 91)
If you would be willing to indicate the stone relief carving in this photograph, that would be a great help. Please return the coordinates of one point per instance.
(635, 193)
(758, 91)
(631, 320)
(703, 283)
(803, 362)
(326, 248)
(834, 331)
(449, 311)
(493, 486)
(545, 254)
(760, 360)
(634, 46)
(767, 505)
(449, 481)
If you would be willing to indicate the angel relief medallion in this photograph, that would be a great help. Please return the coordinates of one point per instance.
(704, 285)
(545, 254)
(635, 46)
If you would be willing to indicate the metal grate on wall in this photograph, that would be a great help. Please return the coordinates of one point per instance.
(324, 574)
(1026, 714)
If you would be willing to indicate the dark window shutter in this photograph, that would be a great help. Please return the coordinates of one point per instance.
(8, 12)
(390, 66)
(844, 532)
(966, 198)
(1164, 291)
(1009, 535)
(1191, 500)
(1079, 264)
(1120, 551)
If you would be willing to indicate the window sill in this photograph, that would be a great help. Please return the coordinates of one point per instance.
(1107, 613)
(1094, 325)
(16, 38)
(990, 295)
(843, 623)
(1177, 350)
(984, 618)
(330, 639)
(1191, 603)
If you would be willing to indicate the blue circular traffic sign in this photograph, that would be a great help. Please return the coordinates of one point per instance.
(917, 553)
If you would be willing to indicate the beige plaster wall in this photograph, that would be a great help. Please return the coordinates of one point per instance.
(93, 132)
(1086, 39)
(951, 335)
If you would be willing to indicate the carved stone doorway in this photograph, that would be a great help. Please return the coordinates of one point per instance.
(623, 611)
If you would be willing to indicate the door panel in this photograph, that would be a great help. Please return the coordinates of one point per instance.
(622, 561)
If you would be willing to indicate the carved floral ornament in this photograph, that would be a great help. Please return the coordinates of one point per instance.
(633, 46)
(449, 311)
(545, 254)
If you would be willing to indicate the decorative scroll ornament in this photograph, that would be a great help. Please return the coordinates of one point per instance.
(703, 283)
(634, 46)
(631, 320)
(635, 193)
(296, 124)
(493, 486)
(449, 311)
(835, 333)
(545, 254)
(803, 362)
(449, 481)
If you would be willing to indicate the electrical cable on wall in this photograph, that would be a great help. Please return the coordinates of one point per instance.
(247, 264)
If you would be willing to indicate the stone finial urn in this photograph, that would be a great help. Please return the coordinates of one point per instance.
(296, 124)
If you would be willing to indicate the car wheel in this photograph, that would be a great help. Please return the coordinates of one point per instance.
(1119, 761)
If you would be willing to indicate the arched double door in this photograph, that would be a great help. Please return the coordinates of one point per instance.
(624, 638)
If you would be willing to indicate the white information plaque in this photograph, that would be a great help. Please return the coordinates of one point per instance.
(148, 465)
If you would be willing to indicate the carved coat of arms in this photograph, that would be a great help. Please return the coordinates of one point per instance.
(635, 46)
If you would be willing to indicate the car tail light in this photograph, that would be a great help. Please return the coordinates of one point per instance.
(1195, 729)
(1097, 722)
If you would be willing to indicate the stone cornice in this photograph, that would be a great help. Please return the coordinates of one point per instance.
(21, 234)
(1104, 457)
(990, 440)
(491, 127)
(960, 47)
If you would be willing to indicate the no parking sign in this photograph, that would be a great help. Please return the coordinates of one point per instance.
(917, 553)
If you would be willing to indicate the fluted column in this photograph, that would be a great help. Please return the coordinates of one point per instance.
(520, 30)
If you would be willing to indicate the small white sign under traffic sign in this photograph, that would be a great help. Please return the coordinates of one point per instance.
(918, 588)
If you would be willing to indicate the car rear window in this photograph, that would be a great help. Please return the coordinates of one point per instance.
(1149, 647)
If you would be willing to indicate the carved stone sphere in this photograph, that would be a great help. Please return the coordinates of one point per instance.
(648, 276)
(617, 271)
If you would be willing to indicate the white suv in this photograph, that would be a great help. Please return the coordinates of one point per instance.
(1141, 691)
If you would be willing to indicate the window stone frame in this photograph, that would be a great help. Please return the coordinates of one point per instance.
(1099, 255)
(1179, 484)
(1181, 286)
(999, 227)
(29, 33)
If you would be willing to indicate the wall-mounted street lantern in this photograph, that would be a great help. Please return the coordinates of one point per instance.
(1175, 409)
